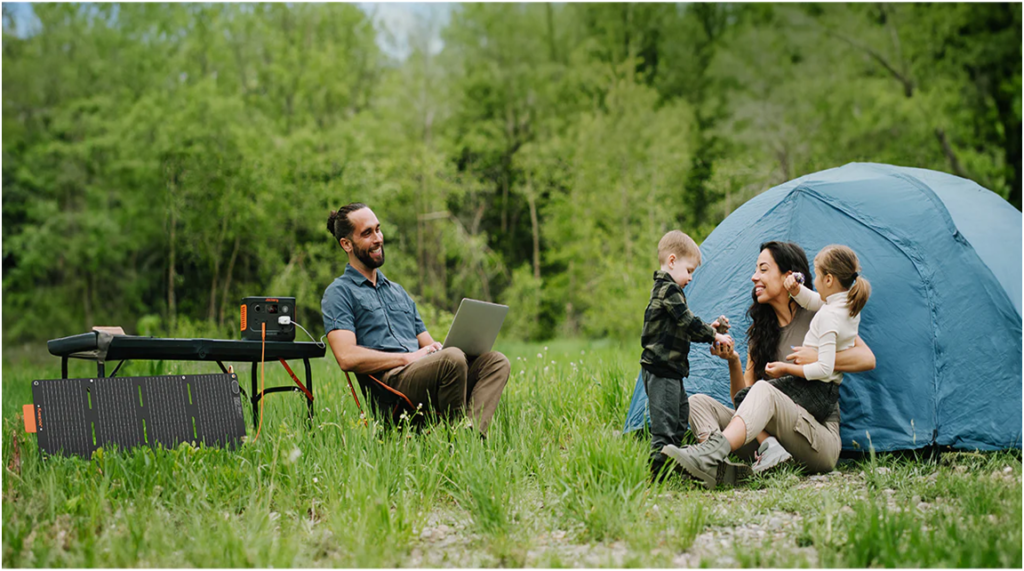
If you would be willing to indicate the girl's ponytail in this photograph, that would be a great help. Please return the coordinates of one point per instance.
(858, 296)
(842, 263)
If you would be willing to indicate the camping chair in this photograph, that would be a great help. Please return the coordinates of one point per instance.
(402, 399)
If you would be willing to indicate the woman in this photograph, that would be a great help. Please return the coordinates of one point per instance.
(777, 330)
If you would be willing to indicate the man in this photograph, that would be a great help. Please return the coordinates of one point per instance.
(374, 328)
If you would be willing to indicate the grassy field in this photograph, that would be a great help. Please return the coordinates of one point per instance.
(555, 485)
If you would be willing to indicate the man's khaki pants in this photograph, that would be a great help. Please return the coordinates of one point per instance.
(811, 443)
(447, 382)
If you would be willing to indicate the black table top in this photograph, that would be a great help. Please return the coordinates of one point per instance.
(125, 347)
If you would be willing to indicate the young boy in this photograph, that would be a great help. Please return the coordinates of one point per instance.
(669, 327)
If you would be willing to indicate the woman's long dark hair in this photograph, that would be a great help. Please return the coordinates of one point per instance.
(764, 331)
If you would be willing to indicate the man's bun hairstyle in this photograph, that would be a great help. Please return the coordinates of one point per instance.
(338, 223)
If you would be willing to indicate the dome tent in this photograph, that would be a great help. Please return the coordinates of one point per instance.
(944, 320)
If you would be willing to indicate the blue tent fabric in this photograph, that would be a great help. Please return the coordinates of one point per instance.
(944, 320)
(638, 414)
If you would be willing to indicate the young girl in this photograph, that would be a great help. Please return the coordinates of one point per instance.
(841, 296)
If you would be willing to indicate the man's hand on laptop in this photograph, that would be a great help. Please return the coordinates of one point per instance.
(423, 352)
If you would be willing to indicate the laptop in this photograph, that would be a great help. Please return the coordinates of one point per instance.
(476, 326)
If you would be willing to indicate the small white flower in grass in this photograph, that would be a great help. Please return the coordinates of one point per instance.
(583, 352)
(315, 479)
(552, 362)
(540, 355)
(519, 358)
(545, 369)
(294, 455)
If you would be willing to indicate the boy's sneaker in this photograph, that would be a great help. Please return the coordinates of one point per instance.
(769, 455)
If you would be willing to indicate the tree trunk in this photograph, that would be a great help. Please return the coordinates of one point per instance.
(504, 198)
(211, 314)
(624, 196)
(215, 255)
(570, 318)
(1012, 154)
(535, 227)
(87, 304)
(421, 252)
(171, 307)
(947, 150)
(227, 282)
(652, 202)
(551, 32)
(484, 282)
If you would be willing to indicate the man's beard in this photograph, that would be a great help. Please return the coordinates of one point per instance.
(366, 259)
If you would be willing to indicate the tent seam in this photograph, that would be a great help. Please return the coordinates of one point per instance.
(920, 265)
(957, 236)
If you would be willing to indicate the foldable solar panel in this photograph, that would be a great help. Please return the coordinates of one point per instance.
(77, 416)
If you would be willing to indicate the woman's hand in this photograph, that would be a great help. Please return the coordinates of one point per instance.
(724, 351)
(803, 356)
(776, 369)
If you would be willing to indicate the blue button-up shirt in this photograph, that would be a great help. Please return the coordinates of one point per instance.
(383, 318)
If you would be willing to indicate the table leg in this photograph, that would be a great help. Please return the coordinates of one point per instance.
(100, 369)
(63, 367)
(255, 399)
(116, 369)
(309, 385)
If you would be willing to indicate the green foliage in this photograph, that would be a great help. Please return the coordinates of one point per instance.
(554, 484)
(168, 160)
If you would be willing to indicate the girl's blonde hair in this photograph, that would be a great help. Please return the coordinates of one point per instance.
(842, 263)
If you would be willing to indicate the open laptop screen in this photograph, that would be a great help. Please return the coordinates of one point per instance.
(476, 326)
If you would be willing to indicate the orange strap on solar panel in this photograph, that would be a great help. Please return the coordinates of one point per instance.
(29, 412)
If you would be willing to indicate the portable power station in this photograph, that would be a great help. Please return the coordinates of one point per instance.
(259, 310)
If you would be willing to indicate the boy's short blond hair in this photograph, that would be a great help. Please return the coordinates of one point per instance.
(678, 243)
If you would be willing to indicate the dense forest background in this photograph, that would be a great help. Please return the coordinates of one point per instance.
(160, 162)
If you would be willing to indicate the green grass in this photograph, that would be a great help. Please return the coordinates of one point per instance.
(555, 485)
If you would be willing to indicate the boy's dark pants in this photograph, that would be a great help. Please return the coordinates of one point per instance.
(670, 413)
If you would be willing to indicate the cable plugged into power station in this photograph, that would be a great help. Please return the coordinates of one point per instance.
(287, 320)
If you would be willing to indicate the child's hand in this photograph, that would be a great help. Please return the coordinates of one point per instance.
(721, 325)
(803, 355)
(792, 284)
(776, 369)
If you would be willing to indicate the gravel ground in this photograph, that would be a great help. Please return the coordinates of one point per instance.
(745, 528)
